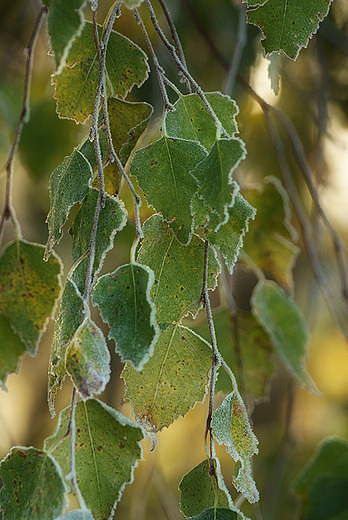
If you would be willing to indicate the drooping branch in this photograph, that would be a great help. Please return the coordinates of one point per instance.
(8, 213)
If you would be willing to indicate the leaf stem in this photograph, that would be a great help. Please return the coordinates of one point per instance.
(183, 70)
(238, 51)
(8, 212)
(214, 359)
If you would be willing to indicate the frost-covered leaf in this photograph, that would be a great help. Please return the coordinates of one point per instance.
(112, 218)
(68, 185)
(220, 513)
(230, 426)
(29, 289)
(124, 300)
(199, 491)
(283, 321)
(229, 238)
(70, 316)
(254, 349)
(270, 239)
(191, 120)
(107, 451)
(33, 486)
(127, 122)
(178, 270)
(172, 381)
(163, 173)
(11, 350)
(287, 25)
(87, 360)
(77, 514)
(65, 22)
(76, 85)
(214, 176)
(323, 482)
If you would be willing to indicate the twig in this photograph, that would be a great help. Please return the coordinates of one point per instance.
(303, 221)
(238, 51)
(8, 212)
(176, 40)
(181, 67)
(72, 473)
(214, 359)
(159, 70)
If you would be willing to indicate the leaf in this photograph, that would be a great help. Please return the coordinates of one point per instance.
(112, 218)
(230, 426)
(254, 350)
(283, 321)
(178, 270)
(191, 120)
(270, 239)
(287, 25)
(11, 350)
(322, 483)
(87, 360)
(68, 185)
(220, 513)
(229, 238)
(77, 514)
(107, 451)
(127, 122)
(163, 173)
(214, 177)
(75, 87)
(172, 381)
(33, 485)
(70, 316)
(198, 491)
(124, 300)
(65, 22)
(29, 290)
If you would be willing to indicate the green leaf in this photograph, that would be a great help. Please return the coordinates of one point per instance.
(254, 349)
(287, 25)
(282, 319)
(87, 360)
(270, 239)
(127, 122)
(172, 381)
(11, 350)
(112, 218)
(29, 290)
(191, 120)
(107, 451)
(163, 172)
(132, 3)
(178, 270)
(229, 238)
(214, 177)
(323, 482)
(65, 22)
(77, 514)
(220, 513)
(230, 426)
(70, 316)
(33, 485)
(124, 300)
(76, 85)
(198, 491)
(68, 185)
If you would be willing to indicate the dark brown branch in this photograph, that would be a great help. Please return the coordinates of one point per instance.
(8, 212)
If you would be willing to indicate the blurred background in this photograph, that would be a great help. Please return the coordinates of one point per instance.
(313, 92)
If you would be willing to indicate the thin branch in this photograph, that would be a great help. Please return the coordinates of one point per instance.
(303, 222)
(181, 67)
(72, 473)
(214, 359)
(159, 70)
(238, 51)
(24, 116)
(176, 40)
